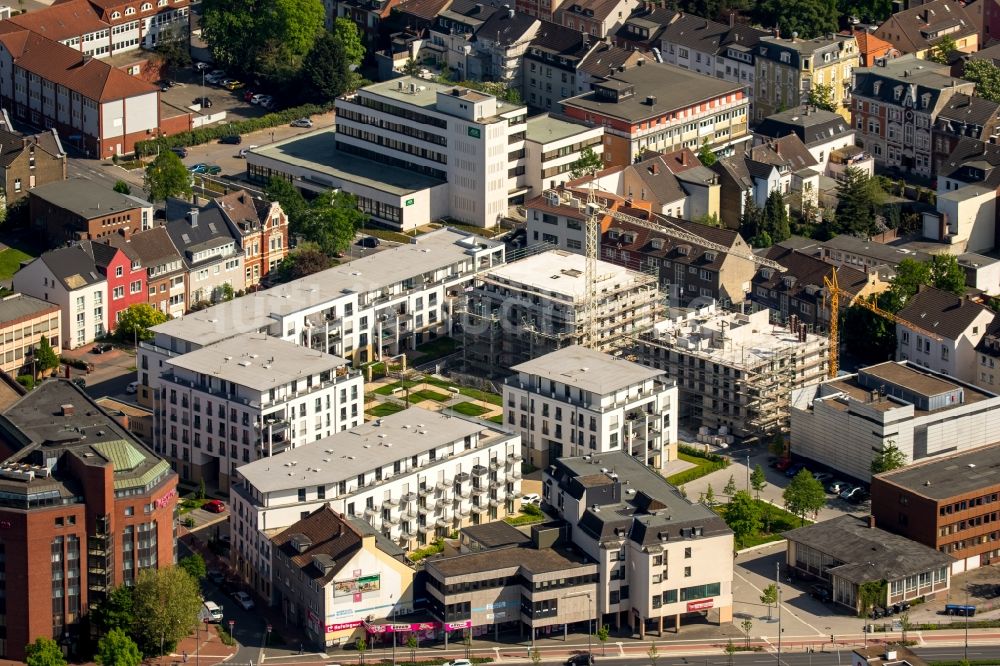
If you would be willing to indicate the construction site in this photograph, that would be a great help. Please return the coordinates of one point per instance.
(522, 310)
(735, 372)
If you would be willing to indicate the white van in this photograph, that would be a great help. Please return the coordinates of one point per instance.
(210, 612)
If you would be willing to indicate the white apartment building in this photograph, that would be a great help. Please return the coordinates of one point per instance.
(659, 555)
(69, 278)
(552, 145)
(735, 372)
(414, 476)
(576, 401)
(842, 423)
(471, 140)
(249, 397)
(382, 304)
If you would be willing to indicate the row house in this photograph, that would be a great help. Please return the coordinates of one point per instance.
(917, 29)
(213, 261)
(597, 18)
(27, 162)
(261, 231)
(656, 107)
(367, 15)
(895, 111)
(166, 277)
(963, 116)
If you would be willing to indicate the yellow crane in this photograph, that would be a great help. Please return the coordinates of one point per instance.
(833, 288)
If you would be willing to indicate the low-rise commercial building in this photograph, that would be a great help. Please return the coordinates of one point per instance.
(75, 210)
(576, 401)
(551, 145)
(413, 476)
(850, 552)
(948, 503)
(249, 397)
(659, 555)
(85, 508)
(843, 423)
(335, 575)
(537, 305)
(735, 372)
(24, 321)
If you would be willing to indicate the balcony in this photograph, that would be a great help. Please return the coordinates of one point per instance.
(408, 498)
(479, 470)
(424, 529)
(445, 484)
(424, 509)
(443, 523)
(425, 491)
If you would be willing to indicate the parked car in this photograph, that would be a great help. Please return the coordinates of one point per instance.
(256, 98)
(848, 490)
(203, 102)
(199, 66)
(243, 153)
(232, 139)
(216, 576)
(856, 495)
(215, 76)
(198, 168)
(531, 498)
(821, 592)
(213, 169)
(179, 151)
(581, 659)
(248, 95)
(369, 241)
(302, 122)
(100, 348)
(243, 599)
(132, 387)
(901, 607)
(214, 506)
(823, 477)
(837, 486)
(266, 101)
(794, 469)
(233, 84)
(782, 464)
(458, 662)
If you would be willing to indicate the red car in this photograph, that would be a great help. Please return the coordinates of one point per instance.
(247, 95)
(214, 506)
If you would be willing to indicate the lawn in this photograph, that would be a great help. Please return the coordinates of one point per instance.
(10, 262)
(436, 349)
(702, 467)
(389, 388)
(427, 394)
(189, 504)
(469, 409)
(385, 409)
(496, 419)
(473, 393)
(525, 518)
(777, 520)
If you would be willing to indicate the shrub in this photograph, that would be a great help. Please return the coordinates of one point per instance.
(531, 510)
(27, 381)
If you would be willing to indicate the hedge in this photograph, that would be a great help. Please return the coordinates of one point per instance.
(217, 131)
(700, 453)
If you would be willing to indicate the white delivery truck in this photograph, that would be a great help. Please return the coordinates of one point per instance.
(210, 612)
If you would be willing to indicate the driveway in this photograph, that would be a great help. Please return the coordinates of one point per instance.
(113, 372)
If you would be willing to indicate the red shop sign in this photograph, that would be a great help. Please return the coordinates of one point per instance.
(703, 604)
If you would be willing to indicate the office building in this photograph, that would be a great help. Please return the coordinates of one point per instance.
(735, 372)
(551, 145)
(659, 555)
(414, 476)
(576, 401)
(85, 507)
(842, 423)
(24, 321)
(948, 503)
(249, 397)
(76, 209)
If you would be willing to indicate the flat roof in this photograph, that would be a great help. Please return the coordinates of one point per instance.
(545, 128)
(432, 251)
(908, 377)
(947, 476)
(361, 449)
(532, 560)
(588, 369)
(316, 151)
(257, 361)
(890, 254)
(18, 306)
(81, 197)
(496, 534)
(425, 94)
(563, 273)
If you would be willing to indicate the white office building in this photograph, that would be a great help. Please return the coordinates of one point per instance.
(471, 140)
(250, 397)
(414, 476)
(577, 401)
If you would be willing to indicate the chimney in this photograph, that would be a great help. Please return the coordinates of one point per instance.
(67, 409)
(684, 157)
(926, 15)
(193, 217)
(732, 19)
(871, 522)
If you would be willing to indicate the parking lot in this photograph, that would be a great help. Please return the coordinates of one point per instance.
(189, 87)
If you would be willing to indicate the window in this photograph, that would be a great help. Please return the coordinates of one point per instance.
(687, 553)
(119, 292)
(302, 494)
(687, 572)
(119, 271)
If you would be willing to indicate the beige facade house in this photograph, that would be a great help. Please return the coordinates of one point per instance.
(24, 321)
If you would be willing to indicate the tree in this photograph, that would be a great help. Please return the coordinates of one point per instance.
(116, 611)
(411, 67)
(869, 336)
(122, 187)
(117, 649)
(730, 489)
(945, 273)
(705, 154)
(587, 164)
(304, 260)
(942, 49)
(653, 653)
(758, 480)
(291, 199)
(709, 496)
(804, 495)
(167, 602)
(751, 221)
(775, 218)
(910, 274)
(327, 73)
(361, 645)
(536, 655)
(859, 198)
(46, 357)
(346, 32)
(821, 96)
(769, 597)
(194, 565)
(602, 634)
(136, 321)
(44, 652)
(986, 76)
(867, 11)
(743, 516)
(746, 625)
(174, 51)
(888, 459)
(167, 177)
(332, 221)
(805, 18)
(412, 642)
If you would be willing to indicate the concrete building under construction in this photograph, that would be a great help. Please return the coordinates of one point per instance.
(735, 371)
(531, 307)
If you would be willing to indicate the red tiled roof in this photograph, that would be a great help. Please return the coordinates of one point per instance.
(61, 21)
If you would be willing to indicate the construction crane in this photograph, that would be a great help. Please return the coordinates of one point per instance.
(833, 288)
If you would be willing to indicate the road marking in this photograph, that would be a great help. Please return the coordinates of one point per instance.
(818, 632)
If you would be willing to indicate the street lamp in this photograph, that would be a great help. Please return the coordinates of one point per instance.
(966, 613)
(777, 586)
(590, 613)
(747, 452)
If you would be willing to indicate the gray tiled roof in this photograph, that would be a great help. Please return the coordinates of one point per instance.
(941, 312)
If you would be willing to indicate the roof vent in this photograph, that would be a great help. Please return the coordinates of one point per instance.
(67, 409)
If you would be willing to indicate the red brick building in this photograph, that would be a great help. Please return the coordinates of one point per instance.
(126, 278)
(74, 210)
(84, 506)
(260, 228)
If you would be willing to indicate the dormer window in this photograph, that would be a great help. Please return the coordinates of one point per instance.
(876, 87)
(925, 100)
(897, 92)
(115, 16)
(129, 11)
(146, 6)
(786, 57)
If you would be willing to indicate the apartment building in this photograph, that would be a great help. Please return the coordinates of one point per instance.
(966, 198)
(597, 18)
(895, 109)
(27, 162)
(915, 30)
(334, 578)
(823, 133)
(842, 423)
(212, 258)
(577, 401)
(987, 356)
(537, 305)
(963, 116)
(863, 255)
(74, 210)
(551, 145)
(86, 507)
(261, 231)
(249, 397)
(69, 278)
(788, 67)
(472, 141)
(940, 331)
(24, 321)
(948, 503)
(125, 276)
(166, 275)
(735, 372)
(660, 108)
(659, 555)
(413, 476)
